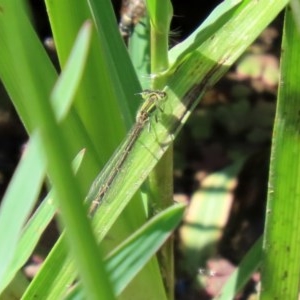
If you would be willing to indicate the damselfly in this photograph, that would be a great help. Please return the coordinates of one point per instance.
(153, 100)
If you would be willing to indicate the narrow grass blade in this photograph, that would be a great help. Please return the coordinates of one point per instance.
(242, 274)
(53, 279)
(117, 59)
(128, 259)
(125, 261)
(65, 88)
(138, 45)
(33, 229)
(17, 204)
(281, 246)
(13, 71)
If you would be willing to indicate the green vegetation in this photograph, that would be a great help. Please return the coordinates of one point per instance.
(77, 122)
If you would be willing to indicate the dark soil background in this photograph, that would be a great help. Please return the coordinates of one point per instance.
(235, 116)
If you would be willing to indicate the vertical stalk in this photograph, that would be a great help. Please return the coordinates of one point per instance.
(161, 179)
(159, 52)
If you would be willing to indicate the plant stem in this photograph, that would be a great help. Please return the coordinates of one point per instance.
(161, 179)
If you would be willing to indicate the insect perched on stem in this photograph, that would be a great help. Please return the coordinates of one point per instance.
(131, 13)
(153, 100)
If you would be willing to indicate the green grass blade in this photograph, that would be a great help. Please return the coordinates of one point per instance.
(128, 259)
(281, 247)
(139, 49)
(42, 66)
(125, 261)
(242, 274)
(67, 83)
(18, 202)
(117, 59)
(11, 48)
(54, 278)
(34, 228)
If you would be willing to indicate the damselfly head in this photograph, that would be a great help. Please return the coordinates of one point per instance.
(157, 94)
